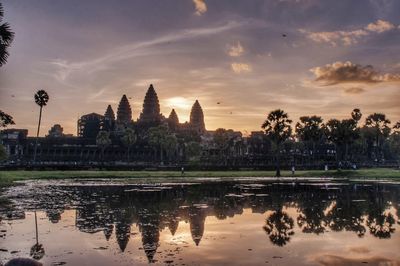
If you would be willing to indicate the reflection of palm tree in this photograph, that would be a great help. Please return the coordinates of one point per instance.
(346, 216)
(41, 99)
(37, 250)
(381, 225)
(312, 221)
(279, 227)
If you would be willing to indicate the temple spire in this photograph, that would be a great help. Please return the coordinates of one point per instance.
(151, 107)
(197, 118)
(173, 120)
(124, 113)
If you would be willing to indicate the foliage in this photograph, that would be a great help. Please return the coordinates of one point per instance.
(277, 126)
(129, 139)
(3, 153)
(41, 98)
(103, 139)
(6, 38)
(5, 119)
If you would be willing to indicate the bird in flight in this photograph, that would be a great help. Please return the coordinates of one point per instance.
(284, 35)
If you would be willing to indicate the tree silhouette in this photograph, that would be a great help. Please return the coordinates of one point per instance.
(379, 124)
(41, 99)
(103, 141)
(162, 140)
(6, 38)
(128, 139)
(277, 127)
(5, 119)
(310, 130)
(279, 226)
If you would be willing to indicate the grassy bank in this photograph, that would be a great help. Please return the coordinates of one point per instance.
(7, 177)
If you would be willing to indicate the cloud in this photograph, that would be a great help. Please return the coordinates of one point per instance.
(330, 260)
(64, 68)
(354, 90)
(349, 72)
(200, 6)
(348, 38)
(236, 50)
(380, 26)
(240, 68)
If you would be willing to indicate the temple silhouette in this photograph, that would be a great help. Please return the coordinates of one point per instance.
(89, 125)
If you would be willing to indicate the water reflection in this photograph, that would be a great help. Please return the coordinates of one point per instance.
(309, 208)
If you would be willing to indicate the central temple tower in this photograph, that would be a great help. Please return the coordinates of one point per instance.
(151, 107)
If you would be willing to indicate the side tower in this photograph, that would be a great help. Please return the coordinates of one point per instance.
(109, 119)
(197, 118)
(173, 120)
(124, 112)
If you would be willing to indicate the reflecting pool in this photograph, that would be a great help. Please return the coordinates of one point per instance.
(203, 222)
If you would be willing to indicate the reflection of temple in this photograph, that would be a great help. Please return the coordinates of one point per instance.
(153, 208)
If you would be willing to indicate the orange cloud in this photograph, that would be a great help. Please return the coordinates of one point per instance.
(349, 72)
(240, 68)
(200, 6)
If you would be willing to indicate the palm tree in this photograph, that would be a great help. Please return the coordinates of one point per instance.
(156, 137)
(103, 141)
(277, 127)
(380, 125)
(41, 99)
(6, 37)
(5, 119)
(128, 139)
(310, 130)
(170, 145)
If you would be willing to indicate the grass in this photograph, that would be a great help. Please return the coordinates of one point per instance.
(8, 177)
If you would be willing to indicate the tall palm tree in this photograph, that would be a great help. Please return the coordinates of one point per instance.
(310, 130)
(41, 99)
(6, 37)
(277, 127)
(103, 141)
(128, 139)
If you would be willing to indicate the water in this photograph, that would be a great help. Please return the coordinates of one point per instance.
(204, 222)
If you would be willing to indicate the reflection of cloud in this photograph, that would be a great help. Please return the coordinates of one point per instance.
(240, 68)
(236, 50)
(361, 250)
(200, 6)
(349, 72)
(354, 90)
(330, 260)
(348, 37)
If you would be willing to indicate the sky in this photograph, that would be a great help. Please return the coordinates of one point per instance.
(306, 57)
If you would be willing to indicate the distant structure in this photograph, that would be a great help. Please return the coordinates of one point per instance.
(89, 125)
(124, 113)
(197, 118)
(151, 108)
(56, 131)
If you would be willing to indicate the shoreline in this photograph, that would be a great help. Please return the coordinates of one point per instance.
(9, 177)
